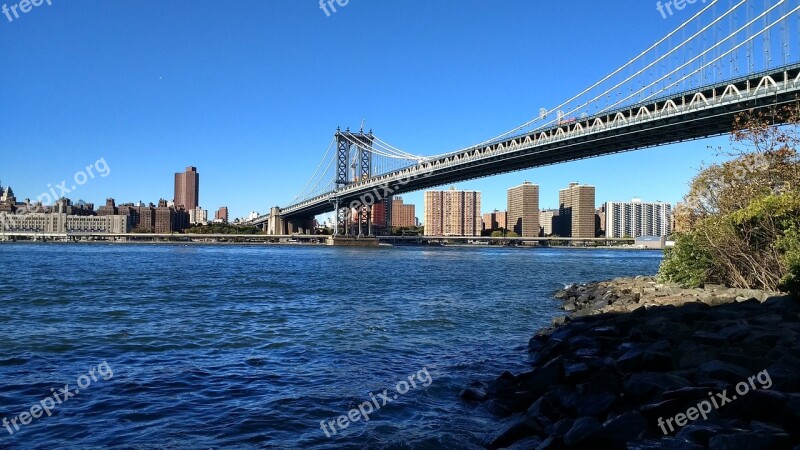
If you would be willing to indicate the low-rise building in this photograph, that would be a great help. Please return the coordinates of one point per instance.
(61, 223)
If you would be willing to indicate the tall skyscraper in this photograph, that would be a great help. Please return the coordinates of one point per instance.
(187, 189)
(452, 213)
(635, 219)
(523, 210)
(576, 211)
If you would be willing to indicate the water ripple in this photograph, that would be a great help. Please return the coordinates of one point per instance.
(252, 347)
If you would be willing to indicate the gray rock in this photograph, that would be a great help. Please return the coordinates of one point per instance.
(582, 432)
(750, 441)
(667, 443)
(735, 333)
(623, 428)
(474, 395)
(575, 371)
(750, 363)
(701, 432)
(594, 405)
(516, 430)
(526, 444)
(551, 443)
(708, 338)
(537, 415)
(631, 360)
(645, 385)
(721, 371)
(561, 427)
(693, 357)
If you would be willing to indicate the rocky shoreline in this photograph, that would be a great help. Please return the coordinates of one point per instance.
(642, 365)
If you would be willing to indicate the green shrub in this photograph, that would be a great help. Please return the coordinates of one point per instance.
(789, 244)
(757, 247)
(687, 263)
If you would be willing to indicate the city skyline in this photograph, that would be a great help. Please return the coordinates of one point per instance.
(406, 210)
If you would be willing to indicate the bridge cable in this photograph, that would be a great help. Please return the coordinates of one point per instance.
(750, 39)
(315, 171)
(606, 78)
(669, 75)
(603, 80)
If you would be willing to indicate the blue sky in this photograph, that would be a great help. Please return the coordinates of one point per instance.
(250, 92)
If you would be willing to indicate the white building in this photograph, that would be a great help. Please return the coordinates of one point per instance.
(636, 218)
(60, 223)
(547, 220)
(198, 216)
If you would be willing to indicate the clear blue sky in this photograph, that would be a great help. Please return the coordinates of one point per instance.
(251, 91)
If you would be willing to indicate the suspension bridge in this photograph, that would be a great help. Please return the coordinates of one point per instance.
(732, 56)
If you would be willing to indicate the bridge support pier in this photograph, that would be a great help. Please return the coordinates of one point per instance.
(300, 225)
(275, 225)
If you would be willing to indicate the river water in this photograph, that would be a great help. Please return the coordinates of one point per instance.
(174, 346)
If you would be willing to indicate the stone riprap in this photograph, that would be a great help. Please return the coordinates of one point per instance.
(626, 367)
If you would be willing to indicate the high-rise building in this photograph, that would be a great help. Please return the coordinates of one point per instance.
(221, 215)
(489, 221)
(548, 220)
(635, 219)
(452, 213)
(167, 219)
(187, 189)
(145, 218)
(164, 218)
(523, 210)
(110, 209)
(494, 220)
(403, 215)
(600, 221)
(378, 218)
(576, 210)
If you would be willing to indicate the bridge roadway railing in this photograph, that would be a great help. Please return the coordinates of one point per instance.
(706, 98)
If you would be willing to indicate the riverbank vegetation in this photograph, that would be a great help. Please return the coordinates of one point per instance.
(741, 219)
(218, 228)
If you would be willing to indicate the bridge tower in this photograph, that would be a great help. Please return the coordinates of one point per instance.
(353, 163)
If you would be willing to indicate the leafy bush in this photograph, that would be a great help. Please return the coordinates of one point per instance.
(741, 218)
(755, 247)
(688, 263)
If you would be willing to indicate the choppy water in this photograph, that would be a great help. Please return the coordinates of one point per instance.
(251, 347)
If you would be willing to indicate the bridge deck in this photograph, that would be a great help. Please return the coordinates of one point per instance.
(700, 113)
